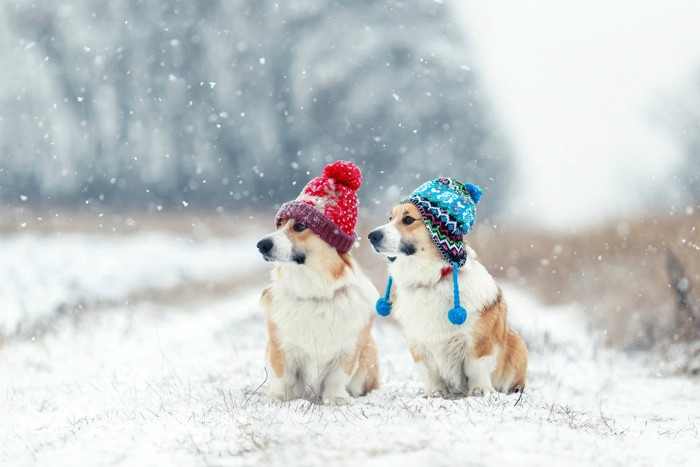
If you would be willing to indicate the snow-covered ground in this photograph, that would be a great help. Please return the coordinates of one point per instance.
(41, 274)
(162, 384)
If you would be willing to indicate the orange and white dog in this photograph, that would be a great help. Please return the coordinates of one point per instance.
(473, 358)
(319, 305)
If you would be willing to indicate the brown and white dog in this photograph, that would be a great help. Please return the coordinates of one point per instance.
(474, 358)
(319, 310)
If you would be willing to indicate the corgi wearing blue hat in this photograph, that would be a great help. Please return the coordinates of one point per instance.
(450, 308)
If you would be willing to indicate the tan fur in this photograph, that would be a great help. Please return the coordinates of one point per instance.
(416, 232)
(339, 268)
(490, 330)
(513, 362)
(328, 261)
(369, 362)
(362, 341)
(491, 333)
(275, 354)
(417, 357)
(365, 360)
(266, 298)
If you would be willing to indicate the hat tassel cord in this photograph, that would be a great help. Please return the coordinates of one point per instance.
(456, 315)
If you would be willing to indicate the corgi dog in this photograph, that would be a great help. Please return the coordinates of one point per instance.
(319, 306)
(473, 358)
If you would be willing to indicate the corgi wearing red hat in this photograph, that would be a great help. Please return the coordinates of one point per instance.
(319, 305)
(451, 310)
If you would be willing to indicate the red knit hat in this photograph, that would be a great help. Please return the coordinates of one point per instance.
(328, 205)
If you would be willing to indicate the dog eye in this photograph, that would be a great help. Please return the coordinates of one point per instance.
(408, 220)
(299, 227)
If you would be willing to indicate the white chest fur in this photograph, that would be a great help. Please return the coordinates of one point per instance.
(322, 328)
(423, 299)
(318, 322)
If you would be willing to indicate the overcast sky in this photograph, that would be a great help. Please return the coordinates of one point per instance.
(577, 85)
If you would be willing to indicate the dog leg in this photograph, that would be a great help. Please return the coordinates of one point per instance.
(434, 385)
(282, 374)
(356, 386)
(366, 376)
(334, 386)
(478, 371)
(282, 388)
(281, 367)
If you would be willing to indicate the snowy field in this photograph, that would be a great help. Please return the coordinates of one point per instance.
(42, 275)
(157, 383)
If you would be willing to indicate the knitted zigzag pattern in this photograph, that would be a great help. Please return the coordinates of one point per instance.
(444, 231)
(448, 212)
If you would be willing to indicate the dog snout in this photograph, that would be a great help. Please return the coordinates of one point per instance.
(265, 245)
(375, 237)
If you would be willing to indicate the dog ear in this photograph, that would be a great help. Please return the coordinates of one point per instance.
(474, 191)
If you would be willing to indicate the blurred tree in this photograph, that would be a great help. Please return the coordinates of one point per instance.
(684, 121)
(216, 103)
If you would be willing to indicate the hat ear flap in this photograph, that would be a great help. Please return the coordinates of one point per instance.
(474, 191)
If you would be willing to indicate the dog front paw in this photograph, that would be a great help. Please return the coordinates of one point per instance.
(278, 398)
(337, 401)
(336, 398)
(436, 391)
(479, 391)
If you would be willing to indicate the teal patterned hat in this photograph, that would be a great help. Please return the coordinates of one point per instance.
(449, 211)
(448, 208)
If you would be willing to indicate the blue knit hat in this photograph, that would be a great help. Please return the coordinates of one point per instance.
(449, 211)
(448, 208)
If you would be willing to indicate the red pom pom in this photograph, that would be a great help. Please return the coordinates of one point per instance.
(344, 172)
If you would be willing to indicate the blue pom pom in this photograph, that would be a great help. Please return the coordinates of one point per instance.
(457, 315)
(383, 307)
(474, 191)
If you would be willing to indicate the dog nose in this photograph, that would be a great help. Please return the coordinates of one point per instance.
(264, 245)
(375, 236)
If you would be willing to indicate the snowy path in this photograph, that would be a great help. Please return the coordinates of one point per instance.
(155, 384)
(41, 275)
